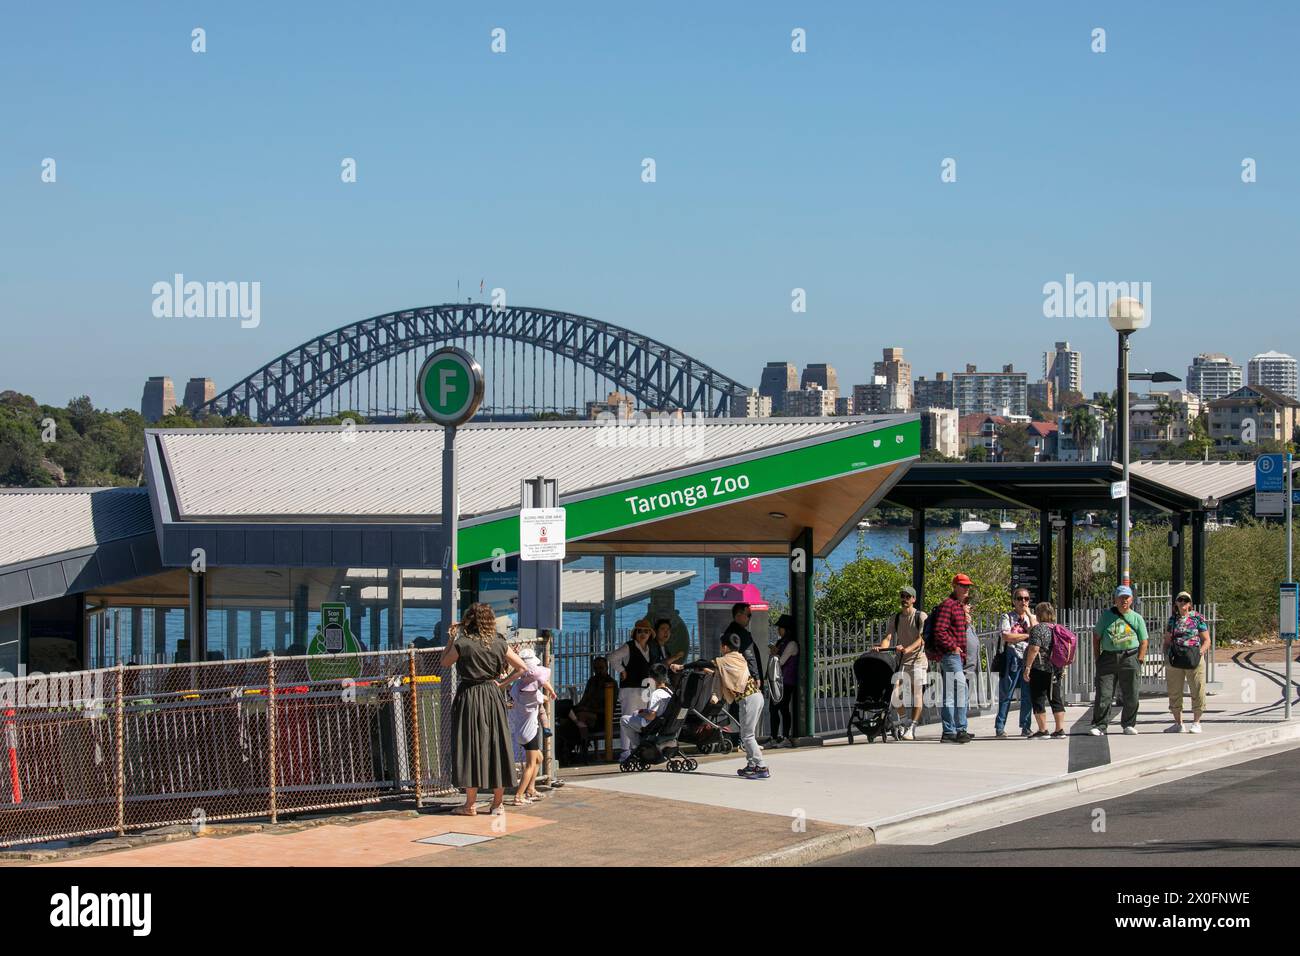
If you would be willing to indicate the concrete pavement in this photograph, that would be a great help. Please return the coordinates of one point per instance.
(820, 801)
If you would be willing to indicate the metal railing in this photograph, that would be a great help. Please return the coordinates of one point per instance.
(130, 748)
(838, 644)
(1080, 677)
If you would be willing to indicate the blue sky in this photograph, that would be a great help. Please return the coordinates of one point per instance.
(775, 170)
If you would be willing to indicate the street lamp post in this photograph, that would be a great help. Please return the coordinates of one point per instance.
(1126, 317)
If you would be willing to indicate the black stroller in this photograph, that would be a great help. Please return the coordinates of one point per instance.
(687, 709)
(876, 673)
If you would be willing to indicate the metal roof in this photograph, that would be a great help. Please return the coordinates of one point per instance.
(1200, 479)
(394, 471)
(38, 523)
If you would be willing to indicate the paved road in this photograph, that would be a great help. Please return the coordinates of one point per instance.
(1242, 815)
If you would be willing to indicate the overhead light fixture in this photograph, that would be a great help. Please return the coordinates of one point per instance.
(776, 514)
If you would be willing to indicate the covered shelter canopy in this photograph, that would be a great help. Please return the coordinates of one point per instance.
(369, 496)
(1184, 490)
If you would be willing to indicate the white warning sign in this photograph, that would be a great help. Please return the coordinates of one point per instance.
(541, 534)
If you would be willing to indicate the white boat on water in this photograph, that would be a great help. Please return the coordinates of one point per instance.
(973, 525)
(864, 525)
(1005, 525)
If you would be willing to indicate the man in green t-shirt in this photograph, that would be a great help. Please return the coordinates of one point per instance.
(1119, 644)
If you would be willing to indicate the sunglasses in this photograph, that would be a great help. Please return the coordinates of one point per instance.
(1184, 600)
(1022, 597)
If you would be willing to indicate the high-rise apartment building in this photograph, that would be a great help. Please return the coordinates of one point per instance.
(778, 378)
(896, 372)
(811, 402)
(992, 393)
(1213, 375)
(1273, 370)
(936, 393)
(819, 373)
(880, 396)
(1063, 367)
(752, 404)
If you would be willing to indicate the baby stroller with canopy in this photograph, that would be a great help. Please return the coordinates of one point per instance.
(688, 708)
(875, 673)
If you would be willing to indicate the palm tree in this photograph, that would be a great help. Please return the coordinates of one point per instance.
(1082, 425)
(1164, 416)
(1106, 405)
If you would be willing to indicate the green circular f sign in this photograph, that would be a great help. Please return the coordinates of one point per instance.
(450, 386)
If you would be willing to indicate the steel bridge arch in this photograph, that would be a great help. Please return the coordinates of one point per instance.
(657, 375)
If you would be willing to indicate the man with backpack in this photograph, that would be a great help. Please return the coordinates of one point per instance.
(906, 634)
(945, 632)
(1120, 644)
(1051, 648)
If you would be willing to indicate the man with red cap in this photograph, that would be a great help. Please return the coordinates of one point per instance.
(951, 622)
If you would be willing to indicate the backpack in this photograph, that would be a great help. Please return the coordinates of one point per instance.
(1064, 644)
(931, 649)
(774, 681)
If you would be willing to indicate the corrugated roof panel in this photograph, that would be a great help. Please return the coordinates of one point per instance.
(1200, 479)
(396, 471)
(40, 523)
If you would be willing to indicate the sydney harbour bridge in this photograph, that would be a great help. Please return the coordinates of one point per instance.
(535, 361)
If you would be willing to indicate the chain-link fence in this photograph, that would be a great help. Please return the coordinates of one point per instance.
(129, 748)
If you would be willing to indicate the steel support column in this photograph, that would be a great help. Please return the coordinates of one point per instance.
(1198, 558)
(917, 536)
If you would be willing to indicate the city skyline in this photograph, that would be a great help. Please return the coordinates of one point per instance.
(766, 173)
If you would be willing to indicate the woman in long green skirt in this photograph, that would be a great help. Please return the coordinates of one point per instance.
(482, 757)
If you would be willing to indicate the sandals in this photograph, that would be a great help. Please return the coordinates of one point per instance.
(464, 811)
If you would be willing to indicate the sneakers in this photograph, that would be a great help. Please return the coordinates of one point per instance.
(910, 732)
(949, 739)
(1195, 728)
(999, 733)
(1026, 732)
(789, 744)
(1130, 731)
(1041, 735)
(963, 737)
(754, 773)
(1058, 735)
(1097, 732)
(1174, 729)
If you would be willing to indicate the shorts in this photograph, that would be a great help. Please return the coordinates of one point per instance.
(536, 742)
(910, 686)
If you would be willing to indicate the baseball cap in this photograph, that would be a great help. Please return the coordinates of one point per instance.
(1123, 591)
(1181, 595)
(909, 591)
(961, 579)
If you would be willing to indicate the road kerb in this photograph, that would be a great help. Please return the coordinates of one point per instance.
(1011, 798)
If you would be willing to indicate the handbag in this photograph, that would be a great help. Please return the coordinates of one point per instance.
(773, 685)
(1185, 656)
(999, 664)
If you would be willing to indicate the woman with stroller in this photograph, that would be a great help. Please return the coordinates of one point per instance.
(735, 678)
(482, 758)
(1041, 677)
(632, 663)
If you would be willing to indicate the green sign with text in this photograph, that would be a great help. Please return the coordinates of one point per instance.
(707, 488)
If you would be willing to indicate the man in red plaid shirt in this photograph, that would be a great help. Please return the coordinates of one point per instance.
(951, 622)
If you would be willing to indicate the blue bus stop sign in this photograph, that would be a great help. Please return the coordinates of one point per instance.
(1270, 475)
